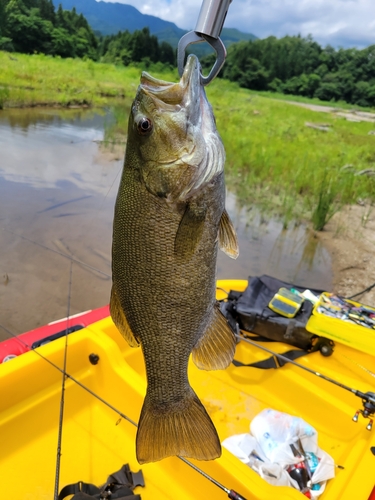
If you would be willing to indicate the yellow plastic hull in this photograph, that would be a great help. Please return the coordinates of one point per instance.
(96, 441)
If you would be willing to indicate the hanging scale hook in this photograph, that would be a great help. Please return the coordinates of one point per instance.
(208, 28)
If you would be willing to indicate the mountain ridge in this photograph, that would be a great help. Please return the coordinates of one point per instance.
(108, 18)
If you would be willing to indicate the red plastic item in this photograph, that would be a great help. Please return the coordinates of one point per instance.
(22, 343)
(372, 496)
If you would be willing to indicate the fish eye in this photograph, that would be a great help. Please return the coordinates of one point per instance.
(144, 126)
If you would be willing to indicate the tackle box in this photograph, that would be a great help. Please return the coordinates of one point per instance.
(342, 322)
(286, 303)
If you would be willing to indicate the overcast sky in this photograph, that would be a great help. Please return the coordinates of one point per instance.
(346, 23)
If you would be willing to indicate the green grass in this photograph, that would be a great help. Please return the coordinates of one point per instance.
(273, 160)
(39, 80)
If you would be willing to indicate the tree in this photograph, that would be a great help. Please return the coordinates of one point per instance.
(167, 54)
(327, 92)
(29, 32)
(126, 47)
(299, 66)
(33, 26)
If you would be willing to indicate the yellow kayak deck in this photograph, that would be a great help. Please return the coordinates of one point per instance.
(97, 441)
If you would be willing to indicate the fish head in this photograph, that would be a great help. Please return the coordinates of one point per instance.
(173, 136)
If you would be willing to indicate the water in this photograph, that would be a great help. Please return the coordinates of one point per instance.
(57, 191)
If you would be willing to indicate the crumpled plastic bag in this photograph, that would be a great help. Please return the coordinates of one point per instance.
(268, 451)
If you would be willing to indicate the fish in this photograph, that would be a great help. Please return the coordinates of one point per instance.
(169, 221)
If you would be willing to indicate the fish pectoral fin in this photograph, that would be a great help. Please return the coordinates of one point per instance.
(182, 428)
(227, 236)
(190, 230)
(215, 349)
(119, 319)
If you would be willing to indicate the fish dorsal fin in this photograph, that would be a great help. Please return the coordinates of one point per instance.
(190, 230)
(215, 349)
(227, 236)
(119, 319)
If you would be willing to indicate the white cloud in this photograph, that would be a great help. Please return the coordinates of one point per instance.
(338, 22)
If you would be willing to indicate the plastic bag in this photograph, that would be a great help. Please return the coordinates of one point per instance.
(284, 451)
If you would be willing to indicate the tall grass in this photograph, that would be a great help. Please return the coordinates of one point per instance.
(4, 96)
(269, 145)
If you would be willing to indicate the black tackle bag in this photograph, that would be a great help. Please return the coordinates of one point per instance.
(249, 310)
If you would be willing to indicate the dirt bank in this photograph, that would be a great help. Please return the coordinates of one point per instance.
(352, 115)
(350, 237)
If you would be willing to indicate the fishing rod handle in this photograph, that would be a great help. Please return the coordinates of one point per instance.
(235, 496)
(211, 17)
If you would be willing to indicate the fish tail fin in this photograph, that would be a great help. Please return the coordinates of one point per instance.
(182, 429)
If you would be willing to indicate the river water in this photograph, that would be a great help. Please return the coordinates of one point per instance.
(58, 184)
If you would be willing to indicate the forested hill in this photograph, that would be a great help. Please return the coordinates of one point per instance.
(30, 26)
(300, 66)
(109, 18)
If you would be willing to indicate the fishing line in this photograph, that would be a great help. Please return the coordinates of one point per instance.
(62, 398)
(66, 256)
(67, 375)
(233, 495)
(367, 397)
(357, 364)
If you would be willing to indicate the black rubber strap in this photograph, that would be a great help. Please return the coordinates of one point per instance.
(72, 489)
(274, 361)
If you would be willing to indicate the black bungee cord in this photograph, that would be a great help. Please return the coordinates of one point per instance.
(363, 291)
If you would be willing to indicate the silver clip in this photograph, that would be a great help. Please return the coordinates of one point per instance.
(216, 44)
(209, 25)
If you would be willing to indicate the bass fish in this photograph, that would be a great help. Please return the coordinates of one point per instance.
(169, 220)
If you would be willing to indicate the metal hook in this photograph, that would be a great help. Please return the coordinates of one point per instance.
(216, 44)
(209, 25)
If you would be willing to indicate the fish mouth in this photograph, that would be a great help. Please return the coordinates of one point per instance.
(185, 94)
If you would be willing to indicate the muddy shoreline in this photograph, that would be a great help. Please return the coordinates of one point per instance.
(350, 239)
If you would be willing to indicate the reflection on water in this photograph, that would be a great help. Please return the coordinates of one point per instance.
(291, 254)
(57, 192)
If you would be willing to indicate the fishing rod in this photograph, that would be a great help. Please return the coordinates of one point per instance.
(62, 398)
(232, 494)
(368, 398)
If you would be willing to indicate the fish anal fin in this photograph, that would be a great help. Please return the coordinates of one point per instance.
(119, 319)
(227, 236)
(190, 230)
(215, 349)
(183, 429)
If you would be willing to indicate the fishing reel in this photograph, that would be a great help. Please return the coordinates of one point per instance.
(368, 410)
